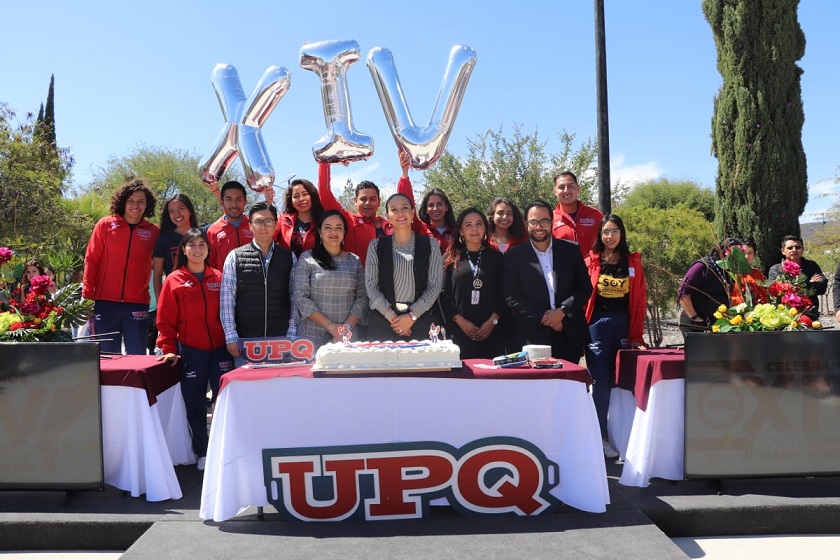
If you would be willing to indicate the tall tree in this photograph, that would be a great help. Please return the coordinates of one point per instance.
(31, 176)
(517, 167)
(664, 193)
(49, 113)
(757, 124)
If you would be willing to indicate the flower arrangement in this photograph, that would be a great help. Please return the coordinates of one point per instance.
(787, 301)
(35, 316)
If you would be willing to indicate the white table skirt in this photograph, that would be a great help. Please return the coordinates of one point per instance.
(136, 453)
(176, 430)
(556, 415)
(652, 441)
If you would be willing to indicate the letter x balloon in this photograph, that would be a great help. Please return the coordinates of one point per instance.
(241, 135)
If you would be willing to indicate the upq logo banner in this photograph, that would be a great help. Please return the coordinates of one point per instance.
(490, 476)
(278, 350)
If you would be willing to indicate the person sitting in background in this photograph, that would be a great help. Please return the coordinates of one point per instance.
(752, 282)
(615, 312)
(792, 250)
(301, 210)
(506, 227)
(328, 284)
(51, 273)
(472, 297)
(704, 288)
(31, 269)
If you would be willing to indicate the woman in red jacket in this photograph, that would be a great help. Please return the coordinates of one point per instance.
(506, 226)
(118, 265)
(615, 312)
(189, 325)
(296, 225)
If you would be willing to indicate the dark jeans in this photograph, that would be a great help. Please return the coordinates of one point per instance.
(609, 333)
(198, 367)
(128, 322)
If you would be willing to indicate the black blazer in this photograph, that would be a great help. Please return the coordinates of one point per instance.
(528, 297)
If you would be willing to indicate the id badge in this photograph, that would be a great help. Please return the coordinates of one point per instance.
(475, 296)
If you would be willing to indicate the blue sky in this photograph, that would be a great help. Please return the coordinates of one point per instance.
(139, 74)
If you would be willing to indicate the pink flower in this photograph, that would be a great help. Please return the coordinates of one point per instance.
(6, 254)
(30, 308)
(40, 284)
(791, 268)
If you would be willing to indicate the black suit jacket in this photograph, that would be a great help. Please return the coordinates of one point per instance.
(528, 296)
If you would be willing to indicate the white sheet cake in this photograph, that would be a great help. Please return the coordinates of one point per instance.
(385, 356)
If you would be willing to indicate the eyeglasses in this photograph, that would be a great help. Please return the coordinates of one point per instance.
(794, 247)
(263, 223)
(608, 232)
(541, 223)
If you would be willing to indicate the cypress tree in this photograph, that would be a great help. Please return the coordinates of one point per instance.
(49, 114)
(761, 182)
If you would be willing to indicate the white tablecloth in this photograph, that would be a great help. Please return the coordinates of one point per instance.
(651, 442)
(141, 443)
(556, 415)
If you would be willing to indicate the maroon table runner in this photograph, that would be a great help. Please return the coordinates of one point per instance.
(140, 372)
(470, 370)
(638, 370)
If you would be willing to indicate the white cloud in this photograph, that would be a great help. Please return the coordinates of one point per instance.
(822, 195)
(621, 171)
(340, 173)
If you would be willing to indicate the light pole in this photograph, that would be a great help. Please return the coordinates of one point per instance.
(604, 193)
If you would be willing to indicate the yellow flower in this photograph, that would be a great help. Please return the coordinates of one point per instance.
(736, 320)
(722, 309)
(37, 320)
(793, 312)
(749, 319)
(52, 327)
(793, 324)
(718, 315)
(715, 328)
(780, 306)
(816, 325)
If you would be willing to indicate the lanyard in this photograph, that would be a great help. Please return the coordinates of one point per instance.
(476, 269)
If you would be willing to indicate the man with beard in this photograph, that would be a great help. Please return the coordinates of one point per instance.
(547, 286)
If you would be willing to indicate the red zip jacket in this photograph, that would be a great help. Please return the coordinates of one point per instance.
(512, 242)
(636, 307)
(583, 230)
(188, 311)
(118, 261)
(419, 226)
(285, 228)
(360, 230)
(224, 238)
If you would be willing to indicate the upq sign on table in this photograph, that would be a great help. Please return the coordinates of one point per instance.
(490, 476)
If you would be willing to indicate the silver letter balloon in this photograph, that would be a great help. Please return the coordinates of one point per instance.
(330, 61)
(243, 118)
(425, 144)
